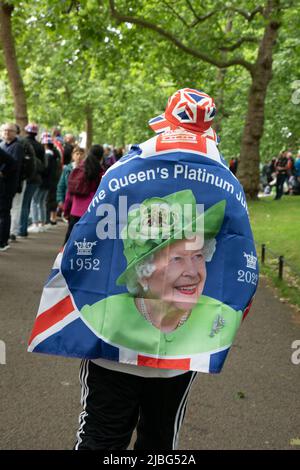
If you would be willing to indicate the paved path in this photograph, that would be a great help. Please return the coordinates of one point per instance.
(39, 395)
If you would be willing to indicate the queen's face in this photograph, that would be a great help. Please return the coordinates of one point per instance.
(180, 274)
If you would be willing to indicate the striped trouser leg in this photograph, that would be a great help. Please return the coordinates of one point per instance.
(110, 408)
(162, 411)
(83, 375)
(181, 412)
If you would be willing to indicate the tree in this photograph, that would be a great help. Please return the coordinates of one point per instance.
(59, 71)
(74, 58)
(257, 60)
(8, 45)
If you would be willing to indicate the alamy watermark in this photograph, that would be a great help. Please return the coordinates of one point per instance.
(150, 220)
(2, 353)
(295, 357)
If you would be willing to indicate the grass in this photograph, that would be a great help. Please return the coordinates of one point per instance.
(277, 225)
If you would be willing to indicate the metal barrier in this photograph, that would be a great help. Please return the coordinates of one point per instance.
(281, 261)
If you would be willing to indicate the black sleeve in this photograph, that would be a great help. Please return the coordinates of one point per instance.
(28, 149)
(19, 156)
(43, 156)
(7, 162)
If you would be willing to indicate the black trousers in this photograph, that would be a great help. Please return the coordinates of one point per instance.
(5, 219)
(72, 221)
(279, 185)
(114, 403)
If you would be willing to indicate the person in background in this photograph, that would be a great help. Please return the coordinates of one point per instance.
(51, 218)
(90, 172)
(272, 170)
(291, 163)
(58, 141)
(78, 155)
(233, 165)
(12, 146)
(118, 153)
(39, 201)
(297, 166)
(27, 171)
(69, 144)
(32, 131)
(281, 168)
(35, 180)
(109, 158)
(8, 176)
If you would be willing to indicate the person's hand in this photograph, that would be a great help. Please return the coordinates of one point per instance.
(60, 206)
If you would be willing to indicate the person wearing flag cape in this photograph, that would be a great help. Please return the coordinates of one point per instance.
(160, 300)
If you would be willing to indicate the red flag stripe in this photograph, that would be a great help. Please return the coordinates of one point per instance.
(247, 309)
(185, 141)
(156, 126)
(178, 364)
(51, 316)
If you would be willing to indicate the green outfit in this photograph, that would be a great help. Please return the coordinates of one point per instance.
(118, 320)
(62, 184)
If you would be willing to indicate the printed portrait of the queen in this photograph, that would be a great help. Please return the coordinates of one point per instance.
(167, 245)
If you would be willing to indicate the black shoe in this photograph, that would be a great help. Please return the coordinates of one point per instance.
(4, 247)
(12, 237)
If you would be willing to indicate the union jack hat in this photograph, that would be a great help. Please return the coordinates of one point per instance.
(32, 128)
(190, 109)
(46, 138)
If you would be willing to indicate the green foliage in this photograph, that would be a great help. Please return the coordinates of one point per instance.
(282, 128)
(73, 54)
(277, 225)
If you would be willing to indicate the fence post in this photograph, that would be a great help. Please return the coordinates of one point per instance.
(263, 253)
(280, 266)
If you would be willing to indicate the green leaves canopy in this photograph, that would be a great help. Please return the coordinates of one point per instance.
(73, 54)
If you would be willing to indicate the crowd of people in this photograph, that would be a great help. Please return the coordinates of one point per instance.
(44, 178)
(52, 176)
(281, 173)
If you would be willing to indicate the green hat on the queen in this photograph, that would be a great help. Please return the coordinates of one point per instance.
(160, 221)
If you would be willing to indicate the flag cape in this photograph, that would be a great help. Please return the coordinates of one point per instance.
(84, 312)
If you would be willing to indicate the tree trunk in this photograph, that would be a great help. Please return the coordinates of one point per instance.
(248, 169)
(10, 57)
(89, 126)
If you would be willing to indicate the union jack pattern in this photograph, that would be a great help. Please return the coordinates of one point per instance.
(56, 309)
(192, 109)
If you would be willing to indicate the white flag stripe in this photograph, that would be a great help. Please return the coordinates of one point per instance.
(56, 281)
(201, 362)
(51, 296)
(128, 356)
(57, 261)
